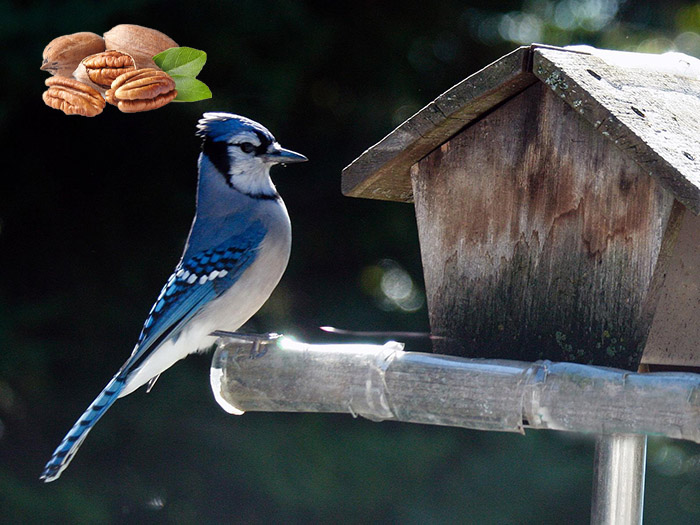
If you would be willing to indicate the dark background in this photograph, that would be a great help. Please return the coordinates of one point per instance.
(94, 213)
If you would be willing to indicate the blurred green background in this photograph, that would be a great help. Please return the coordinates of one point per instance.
(94, 213)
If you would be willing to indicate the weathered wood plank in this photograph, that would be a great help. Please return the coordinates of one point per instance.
(541, 238)
(383, 171)
(652, 116)
(675, 332)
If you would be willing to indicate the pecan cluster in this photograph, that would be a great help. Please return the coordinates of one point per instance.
(88, 69)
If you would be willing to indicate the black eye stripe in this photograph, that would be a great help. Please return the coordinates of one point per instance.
(218, 155)
(264, 143)
(249, 147)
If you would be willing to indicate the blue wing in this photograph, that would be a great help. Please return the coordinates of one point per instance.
(195, 281)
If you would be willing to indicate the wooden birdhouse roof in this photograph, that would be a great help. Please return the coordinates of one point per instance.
(648, 105)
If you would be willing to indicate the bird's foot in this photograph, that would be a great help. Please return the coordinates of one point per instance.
(260, 341)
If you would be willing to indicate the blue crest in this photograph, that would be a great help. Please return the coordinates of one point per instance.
(218, 126)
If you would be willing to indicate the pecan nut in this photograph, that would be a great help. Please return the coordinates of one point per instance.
(142, 43)
(63, 54)
(141, 90)
(73, 97)
(103, 68)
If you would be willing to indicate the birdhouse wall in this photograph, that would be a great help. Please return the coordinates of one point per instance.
(675, 330)
(540, 238)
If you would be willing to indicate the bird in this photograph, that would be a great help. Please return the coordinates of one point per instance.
(237, 249)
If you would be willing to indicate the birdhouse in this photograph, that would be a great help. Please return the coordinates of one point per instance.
(557, 194)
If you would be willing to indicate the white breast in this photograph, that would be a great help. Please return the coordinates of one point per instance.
(235, 306)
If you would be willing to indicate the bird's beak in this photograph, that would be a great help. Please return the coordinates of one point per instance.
(283, 156)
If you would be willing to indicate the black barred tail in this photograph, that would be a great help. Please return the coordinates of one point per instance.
(63, 455)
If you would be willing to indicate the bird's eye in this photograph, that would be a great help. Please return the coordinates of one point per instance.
(247, 147)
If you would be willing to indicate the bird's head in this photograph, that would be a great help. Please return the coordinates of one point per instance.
(243, 151)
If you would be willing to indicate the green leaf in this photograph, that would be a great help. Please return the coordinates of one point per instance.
(182, 61)
(190, 89)
(184, 64)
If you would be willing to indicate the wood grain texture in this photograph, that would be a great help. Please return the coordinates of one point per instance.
(651, 116)
(539, 240)
(383, 171)
(674, 339)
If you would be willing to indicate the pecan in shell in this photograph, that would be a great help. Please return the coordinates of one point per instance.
(142, 43)
(73, 97)
(63, 54)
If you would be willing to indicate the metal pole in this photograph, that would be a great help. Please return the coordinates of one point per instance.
(618, 479)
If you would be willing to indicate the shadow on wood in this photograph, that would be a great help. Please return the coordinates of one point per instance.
(555, 193)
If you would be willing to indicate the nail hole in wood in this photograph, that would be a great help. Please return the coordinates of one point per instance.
(594, 74)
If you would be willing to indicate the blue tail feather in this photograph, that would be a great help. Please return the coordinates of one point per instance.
(64, 453)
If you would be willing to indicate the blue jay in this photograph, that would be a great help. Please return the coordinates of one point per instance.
(235, 255)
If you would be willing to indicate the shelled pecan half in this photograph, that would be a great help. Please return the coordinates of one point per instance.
(73, 97)
(141, 90)
(103, 68)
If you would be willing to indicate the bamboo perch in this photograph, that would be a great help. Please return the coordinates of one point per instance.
(383, 382)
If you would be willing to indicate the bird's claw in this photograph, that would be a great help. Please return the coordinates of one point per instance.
(260, 341)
